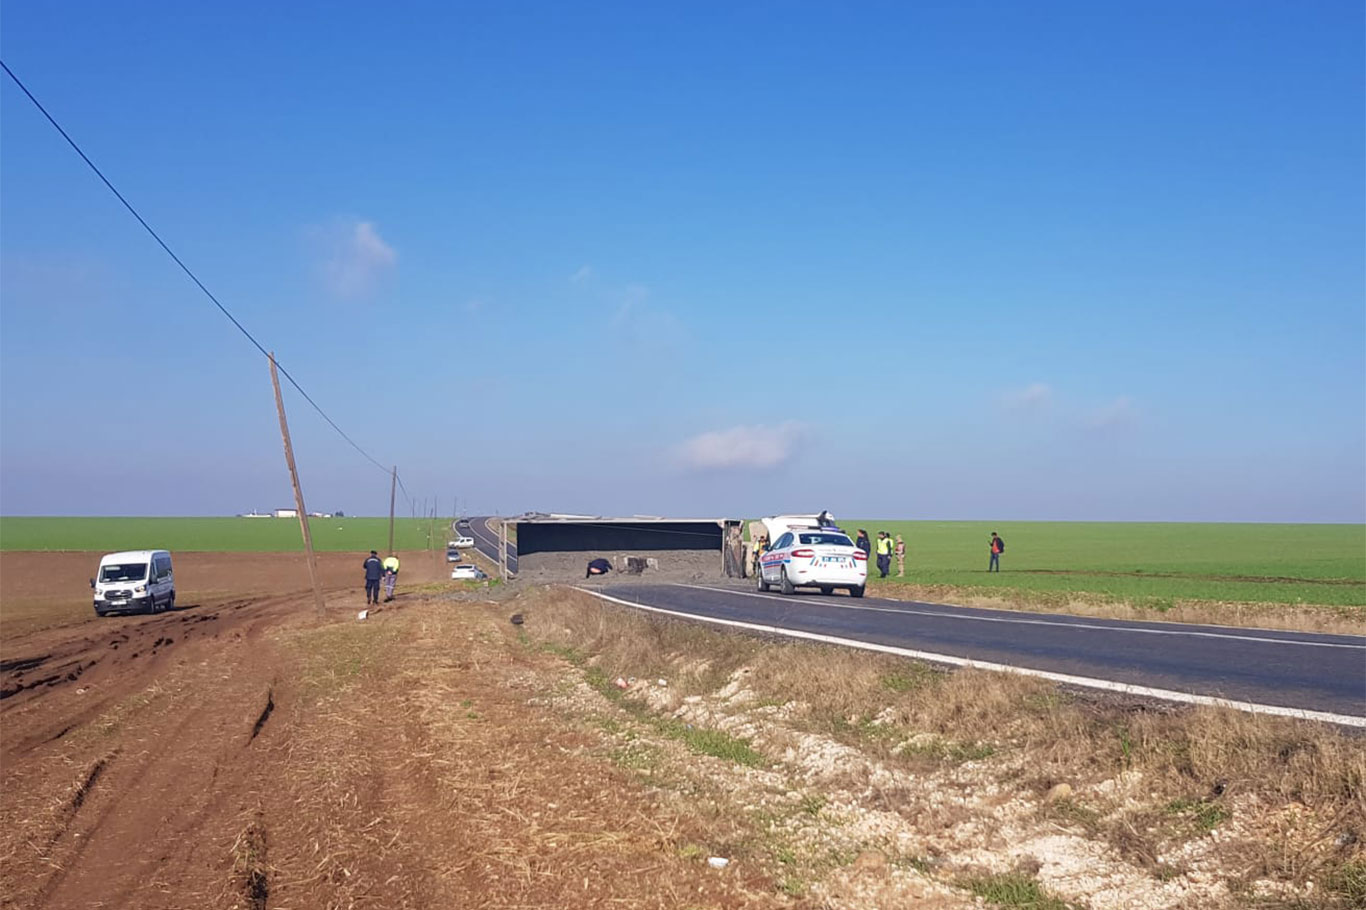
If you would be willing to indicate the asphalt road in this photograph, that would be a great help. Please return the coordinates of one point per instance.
(486, 542)
(1294, 670)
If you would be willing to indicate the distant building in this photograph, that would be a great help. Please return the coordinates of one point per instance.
(286, 513)
(255, 514)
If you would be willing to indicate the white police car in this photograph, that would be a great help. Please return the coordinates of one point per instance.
(812, 557)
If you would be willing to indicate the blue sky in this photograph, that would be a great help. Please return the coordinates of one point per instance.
(958, 260)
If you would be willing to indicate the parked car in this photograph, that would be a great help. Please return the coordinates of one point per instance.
(816, 557)
(459, 542)
(134, 581)
(468, 573)
(452, 555)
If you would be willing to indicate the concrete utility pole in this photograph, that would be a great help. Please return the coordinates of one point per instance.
(298, 492)
(393, 486)
(503, 547)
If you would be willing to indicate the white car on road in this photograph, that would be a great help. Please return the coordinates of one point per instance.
(814, 557)
(473, 573)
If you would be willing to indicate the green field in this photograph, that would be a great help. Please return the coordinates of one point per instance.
(1152, 563)
(217, 535)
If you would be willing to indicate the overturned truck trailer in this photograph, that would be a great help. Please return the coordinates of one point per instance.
(558, 548)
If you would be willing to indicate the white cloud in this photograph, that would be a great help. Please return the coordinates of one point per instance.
(632, 306)
(754, 446)
(1119, 413)
(356, 258)
(1033, 397)
(584, 273)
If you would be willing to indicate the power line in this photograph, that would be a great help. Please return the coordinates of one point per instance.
(186, 269)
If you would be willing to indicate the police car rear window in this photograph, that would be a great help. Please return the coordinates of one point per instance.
(830, 540)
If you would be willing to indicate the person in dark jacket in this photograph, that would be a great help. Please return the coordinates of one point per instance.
(597, 566)
(863, 543)
(997, 546)
(374, 571)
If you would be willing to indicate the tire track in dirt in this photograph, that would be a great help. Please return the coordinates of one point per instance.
(160, 813)
(111, 665)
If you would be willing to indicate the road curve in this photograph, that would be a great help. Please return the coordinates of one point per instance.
(486, 542)
(1300, 671)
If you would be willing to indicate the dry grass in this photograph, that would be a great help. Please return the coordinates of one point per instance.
(1299, 788)
(1326, 618)
(429, 780)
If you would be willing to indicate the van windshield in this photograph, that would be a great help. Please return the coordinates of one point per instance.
(135, 571)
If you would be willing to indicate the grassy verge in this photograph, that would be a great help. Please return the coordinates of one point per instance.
(1173, 792)
(1311, 617)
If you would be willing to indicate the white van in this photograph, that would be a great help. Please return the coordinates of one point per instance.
(137, 581)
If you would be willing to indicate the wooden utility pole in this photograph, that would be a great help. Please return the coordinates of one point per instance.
(431, 528)
(298, 491)
(393, 487)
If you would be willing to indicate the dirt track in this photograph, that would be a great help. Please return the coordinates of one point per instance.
(127, 739)
(238, 752)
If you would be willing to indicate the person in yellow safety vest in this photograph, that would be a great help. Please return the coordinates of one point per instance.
(760, 545)
(884, 553)
(390, 576)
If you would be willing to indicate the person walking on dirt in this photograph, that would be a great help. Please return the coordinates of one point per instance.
(884, 553)
(374, 570)
(900, 557)
(390, 576)
(998, 546)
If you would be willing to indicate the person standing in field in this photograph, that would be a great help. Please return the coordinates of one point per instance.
(900, 557)
(390, 576)
(998, 546)
(374, 570)
(863, 543)
(884, 553)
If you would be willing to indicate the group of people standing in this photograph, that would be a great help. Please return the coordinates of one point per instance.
(377, 570)
(887, 547)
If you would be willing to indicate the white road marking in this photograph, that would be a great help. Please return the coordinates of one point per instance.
(492, 542)
(1347, 720)
(1036, 622)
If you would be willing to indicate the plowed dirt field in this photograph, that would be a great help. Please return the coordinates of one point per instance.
(240, 752)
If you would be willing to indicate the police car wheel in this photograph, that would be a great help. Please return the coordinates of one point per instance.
(763, 585)
(785, 583)
(856, 592)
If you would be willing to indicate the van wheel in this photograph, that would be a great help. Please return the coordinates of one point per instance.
(785, 583)
(170, 604)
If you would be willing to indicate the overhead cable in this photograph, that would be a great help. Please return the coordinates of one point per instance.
(186, 269)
